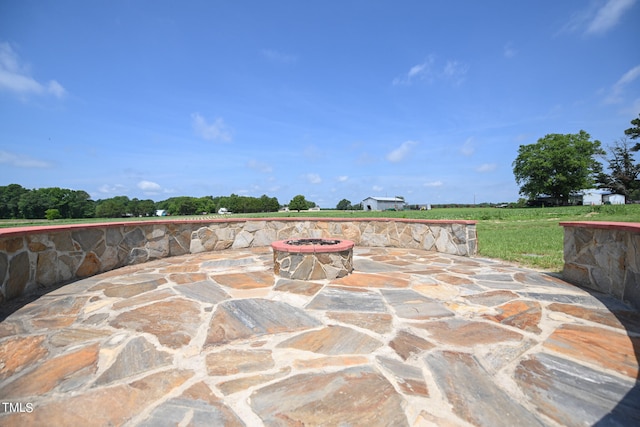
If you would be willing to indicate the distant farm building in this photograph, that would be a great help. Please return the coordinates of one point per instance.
(383, 204)
(596, 197)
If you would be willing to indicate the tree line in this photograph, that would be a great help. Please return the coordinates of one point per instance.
(17, 202)
(560, 165)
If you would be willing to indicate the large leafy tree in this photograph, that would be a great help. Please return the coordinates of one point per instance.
(344, 205)
(634, 132)
(557, 165)
(298, 203)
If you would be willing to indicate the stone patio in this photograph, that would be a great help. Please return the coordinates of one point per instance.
(411, 338)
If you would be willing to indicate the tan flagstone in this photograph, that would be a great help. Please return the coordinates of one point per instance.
(523, 315)
(333, 340)
(369, 280)
(52, 372)
(173, 321)
(18, 353)
(377, 322)
(250, 280)
(466, 333)
(598, 346)
(232, 361)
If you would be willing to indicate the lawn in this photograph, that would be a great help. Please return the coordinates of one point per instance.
(527, 236)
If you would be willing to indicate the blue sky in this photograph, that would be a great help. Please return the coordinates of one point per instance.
(429, 100)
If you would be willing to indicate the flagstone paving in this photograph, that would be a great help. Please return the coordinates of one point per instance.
(410, 338)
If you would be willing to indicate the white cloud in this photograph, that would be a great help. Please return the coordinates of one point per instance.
(618, 88)
(608, 16)
(377, 188)
(277, 56)
(20, 161)
(313, 178)
(15, 77)
(455, 72)
(149, 186)
(259, 166)
(486, 167)
(210, 132)
(401, 152)
(417, 72)
(467, 148)
(509, 51)
(343, 178)
(118, 189)
(433, 184)
(598, 17)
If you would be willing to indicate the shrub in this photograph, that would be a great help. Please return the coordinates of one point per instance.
(52, 214)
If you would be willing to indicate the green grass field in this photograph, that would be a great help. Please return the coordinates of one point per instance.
(528, 236)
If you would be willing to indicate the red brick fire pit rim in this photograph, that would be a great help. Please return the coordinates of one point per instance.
(341, 245)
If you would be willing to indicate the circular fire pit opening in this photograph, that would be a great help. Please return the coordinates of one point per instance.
(312, 259)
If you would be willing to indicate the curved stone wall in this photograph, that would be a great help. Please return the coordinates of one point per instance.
(604, 256)
(39, 257)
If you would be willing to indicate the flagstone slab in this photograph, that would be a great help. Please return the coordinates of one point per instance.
(333, 340)
(453, 279)
(628, 320)
(144, 298)
(597, 346)
(197, 406)
(105, 406)
(376, 322)
(254, 317)
(466, 333)
(409, 378)
(77, 335)
(409, 304)
(492, 298)
(18, 353)
(137, 356)
(368, 280)
(354, 396)
(249, 280)
(407, 344)
(174, 322)
(301, 287)
(473, 394)
(241, 384)
(525, 315)
(233, 361)
(364, 265)
(575, 395)
(341, 299)
(329, 361)
(52, 372)
(205, 291)
(117, 290)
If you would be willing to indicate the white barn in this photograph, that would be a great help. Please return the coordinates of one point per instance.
(382, 203)
(614, 199)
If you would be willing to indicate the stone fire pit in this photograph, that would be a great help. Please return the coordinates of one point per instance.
(312, 259)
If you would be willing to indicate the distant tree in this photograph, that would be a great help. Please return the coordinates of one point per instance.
(9, 200)
(344, 205)
(557, 165)
(634, 132)
(183, 206)
(623, 178)
(115, 207)
(298, 203)
(52, 214)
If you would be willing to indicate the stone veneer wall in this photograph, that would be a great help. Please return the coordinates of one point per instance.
(604, 256)
(39, 257)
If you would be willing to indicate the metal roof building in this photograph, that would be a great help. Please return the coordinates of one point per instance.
(382, 203)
